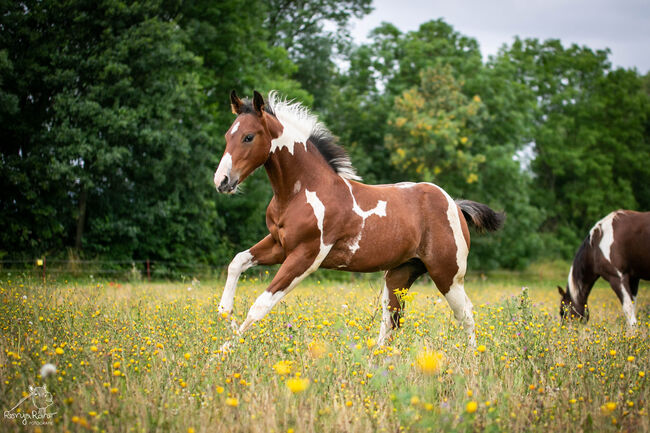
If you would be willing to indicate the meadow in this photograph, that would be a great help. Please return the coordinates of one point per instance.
(145, 357)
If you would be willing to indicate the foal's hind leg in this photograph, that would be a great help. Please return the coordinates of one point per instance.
(401, 277)
(453, 288)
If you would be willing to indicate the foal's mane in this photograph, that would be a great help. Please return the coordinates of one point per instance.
(321, 137)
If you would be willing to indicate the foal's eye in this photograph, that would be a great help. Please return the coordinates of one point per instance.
(248, 138)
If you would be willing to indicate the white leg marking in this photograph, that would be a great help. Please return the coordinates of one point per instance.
(462, 308)
(628, 308)
(223, 170)
(234, 128)
(239, 264)
(386, 322)
(379, 210)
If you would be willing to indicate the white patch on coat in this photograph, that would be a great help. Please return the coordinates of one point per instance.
(291, 134)
(379, 210)
(223, 170)
(234, 129)
(386, 322)
(573, 290)
(461, 244)
(319, 212)
(296, 187)
(299, 124)
(606, 227)
(239, 264)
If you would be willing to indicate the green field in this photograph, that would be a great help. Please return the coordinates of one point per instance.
(146, 357)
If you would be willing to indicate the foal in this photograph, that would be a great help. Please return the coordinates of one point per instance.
(320, 216)
(617, 249)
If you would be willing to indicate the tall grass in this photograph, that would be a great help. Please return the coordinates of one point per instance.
(146, 357)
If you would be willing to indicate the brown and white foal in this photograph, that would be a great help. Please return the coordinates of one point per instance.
(320, 216)
(617, 249)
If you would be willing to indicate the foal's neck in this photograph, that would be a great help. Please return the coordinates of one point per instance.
(290, 173)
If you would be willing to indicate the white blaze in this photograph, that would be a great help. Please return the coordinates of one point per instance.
(223, 170)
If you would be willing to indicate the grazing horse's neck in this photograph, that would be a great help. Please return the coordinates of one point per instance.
(583, 273)
(289, 173)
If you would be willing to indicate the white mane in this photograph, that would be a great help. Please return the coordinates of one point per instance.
(301, 119)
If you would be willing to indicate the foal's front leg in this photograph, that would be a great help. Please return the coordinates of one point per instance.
(300, 263)
(265, 252)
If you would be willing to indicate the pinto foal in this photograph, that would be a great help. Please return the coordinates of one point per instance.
(321, 216)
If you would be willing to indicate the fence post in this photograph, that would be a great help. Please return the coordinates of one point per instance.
(148, 271)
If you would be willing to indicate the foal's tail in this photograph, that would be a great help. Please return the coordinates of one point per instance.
(481, 216)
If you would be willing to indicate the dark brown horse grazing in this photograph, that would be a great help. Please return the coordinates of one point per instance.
(617, 249)
(320, 216)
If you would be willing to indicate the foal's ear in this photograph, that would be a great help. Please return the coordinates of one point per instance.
(258, 102)
(235, 103)
(562, 292)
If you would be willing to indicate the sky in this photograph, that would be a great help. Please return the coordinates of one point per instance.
(623, 26)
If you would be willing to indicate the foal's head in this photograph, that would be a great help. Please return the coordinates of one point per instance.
(571, 310)
(248, 142)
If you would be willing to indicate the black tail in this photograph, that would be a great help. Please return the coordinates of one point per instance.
(481, 216)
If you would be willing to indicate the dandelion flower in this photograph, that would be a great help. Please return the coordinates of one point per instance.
(317, 349)
(48, 370)
(428, 361)
(481, 348)
(297, 384)
(471, 407)
(59, 351)
(232, 402)
(282, 367)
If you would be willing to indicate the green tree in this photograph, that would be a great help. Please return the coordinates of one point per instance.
(107, 154)
(589, 136)
(432, 132)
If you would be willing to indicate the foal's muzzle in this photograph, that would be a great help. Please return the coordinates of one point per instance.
(228, 185)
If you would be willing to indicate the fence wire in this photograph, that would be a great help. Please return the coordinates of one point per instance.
(127, 269)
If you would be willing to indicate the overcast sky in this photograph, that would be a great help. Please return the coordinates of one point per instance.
(623, 26)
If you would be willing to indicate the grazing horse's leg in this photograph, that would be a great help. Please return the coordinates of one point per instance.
(622, 286)
(265, 252)
(296, 267)
(401, 277)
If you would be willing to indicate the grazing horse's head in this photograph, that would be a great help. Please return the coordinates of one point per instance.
(571, 310)
(248, 142)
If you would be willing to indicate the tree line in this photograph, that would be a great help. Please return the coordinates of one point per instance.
(113, 114)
